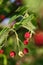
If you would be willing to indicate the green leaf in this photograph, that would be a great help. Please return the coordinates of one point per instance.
(13, 18)
(29, 26)
(3, 35)
(17, 26)
(22, 9)
(27, 19)
(26, 23)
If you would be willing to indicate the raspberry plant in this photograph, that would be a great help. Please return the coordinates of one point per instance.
(16, 36)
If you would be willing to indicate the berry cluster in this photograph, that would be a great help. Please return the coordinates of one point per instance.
(21, 53)
(12, 53)
(26, 36)
(25, 50)
(26, 41)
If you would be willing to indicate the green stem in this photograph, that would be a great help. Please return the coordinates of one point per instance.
(16, 37)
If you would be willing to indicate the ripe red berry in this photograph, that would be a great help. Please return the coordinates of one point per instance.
(25, 42)
(38, 38)
(12, 54)
(1, 51)
(25, 51)
(27, 35)
(2, 17)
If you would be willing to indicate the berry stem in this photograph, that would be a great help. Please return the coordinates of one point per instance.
(16, 38)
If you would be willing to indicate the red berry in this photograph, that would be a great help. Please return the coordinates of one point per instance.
(12, 54)
(1, 51)
(25, 42)
(38, 38)
(25, 51)
(2, 17)
(27, 35)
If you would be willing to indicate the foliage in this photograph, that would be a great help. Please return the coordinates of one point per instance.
(12, 35)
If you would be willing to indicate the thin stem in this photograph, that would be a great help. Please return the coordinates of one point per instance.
(16, 37)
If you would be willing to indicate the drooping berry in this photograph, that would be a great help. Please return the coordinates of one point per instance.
(2, 17)
(26, 42)
(12, 54)
(20, 54)
(1, 51)
(27, 35)
(25, 51)
(38, 38)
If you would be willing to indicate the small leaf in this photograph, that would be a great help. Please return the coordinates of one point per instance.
(17, 26)
(13, 18)
(3, 35)
(26, 23)
(22, 9)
